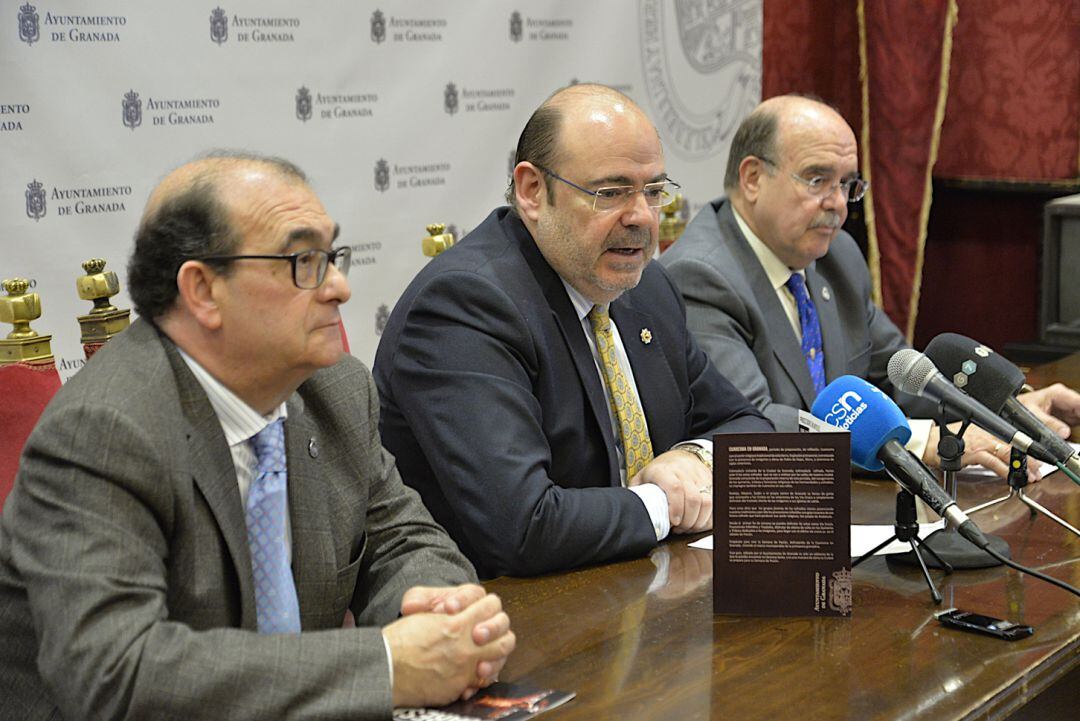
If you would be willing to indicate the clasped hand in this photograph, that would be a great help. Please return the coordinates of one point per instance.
(449, 643)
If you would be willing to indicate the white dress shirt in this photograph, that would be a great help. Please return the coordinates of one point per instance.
(778, 273)
(651, 495)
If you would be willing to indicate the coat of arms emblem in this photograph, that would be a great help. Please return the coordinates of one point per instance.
(382, 175)
(303, 104)
(28, 24)
(840, 591)
(35, 200)
(713, 34)
(515, 26)
(132, 110)
(450, 99)
(378, 26)
(219, 26)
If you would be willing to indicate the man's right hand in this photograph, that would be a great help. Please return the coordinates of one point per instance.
(687, 482)
(436, 657)
(980, 448)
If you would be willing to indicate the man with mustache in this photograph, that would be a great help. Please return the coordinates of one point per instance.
(779, 297)
(537, 379)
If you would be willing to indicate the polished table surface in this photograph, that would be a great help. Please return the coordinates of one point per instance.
(632, 647)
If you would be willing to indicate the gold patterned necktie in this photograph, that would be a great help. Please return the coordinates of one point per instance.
(637, 448)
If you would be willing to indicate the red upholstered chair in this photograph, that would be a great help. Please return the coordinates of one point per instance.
(25, 390)
(28, 377)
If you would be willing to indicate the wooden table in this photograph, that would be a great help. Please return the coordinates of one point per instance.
(634, 651)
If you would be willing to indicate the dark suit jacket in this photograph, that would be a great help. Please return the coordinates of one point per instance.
(494, 408)
(125, 577)
(733, 311)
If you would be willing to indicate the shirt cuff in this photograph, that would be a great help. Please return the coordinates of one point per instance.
(656, 504)
(920, 436)
(389, 661)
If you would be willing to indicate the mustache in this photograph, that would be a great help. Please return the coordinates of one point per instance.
(630, 238)
(826, 219)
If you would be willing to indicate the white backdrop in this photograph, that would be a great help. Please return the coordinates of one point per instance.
(402, 114)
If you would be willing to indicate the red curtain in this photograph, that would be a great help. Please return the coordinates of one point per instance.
(895, 82)
(1011, 112)
(1014, 92)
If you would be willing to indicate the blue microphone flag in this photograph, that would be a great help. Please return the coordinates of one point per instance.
(872, 418)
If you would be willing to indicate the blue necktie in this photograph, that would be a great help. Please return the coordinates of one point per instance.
(811, 331)
(276, 605)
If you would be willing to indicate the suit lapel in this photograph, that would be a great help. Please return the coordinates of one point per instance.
(215, 476)
(573, 333)
(649, 364)
(829, 319)
(785, 343)
(313, 558)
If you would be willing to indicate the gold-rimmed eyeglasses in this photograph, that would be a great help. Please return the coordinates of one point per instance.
(820, 186)
(656, 194)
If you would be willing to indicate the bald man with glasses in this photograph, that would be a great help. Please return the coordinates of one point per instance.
(778, 295)
(539, 386)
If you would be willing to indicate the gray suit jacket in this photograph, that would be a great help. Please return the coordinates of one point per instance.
(732, 309)
(125, 577)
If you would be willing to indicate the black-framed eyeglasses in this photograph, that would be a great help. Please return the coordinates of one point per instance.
(656, 194)
(819, 186)
(308, 266)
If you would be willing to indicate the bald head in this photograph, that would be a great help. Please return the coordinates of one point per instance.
(188, 216)
(543, 140)
(770, 129)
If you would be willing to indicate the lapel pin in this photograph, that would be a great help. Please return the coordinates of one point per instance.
(313, 448)
(646, 336)
(825, 293)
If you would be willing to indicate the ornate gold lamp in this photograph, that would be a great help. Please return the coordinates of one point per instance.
(672, 224)
(104, 320)
(437, 240)
(23, 344)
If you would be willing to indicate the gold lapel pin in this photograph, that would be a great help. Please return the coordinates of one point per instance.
(646, 336)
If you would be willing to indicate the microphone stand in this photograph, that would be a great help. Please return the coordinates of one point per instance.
(907, 530)
(947, 543)
(1018, 481)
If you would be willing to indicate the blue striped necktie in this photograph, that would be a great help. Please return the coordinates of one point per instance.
(276, 606)
(811, 330)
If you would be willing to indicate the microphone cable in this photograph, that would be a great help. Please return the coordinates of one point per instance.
(972, 533)
(1068, 472)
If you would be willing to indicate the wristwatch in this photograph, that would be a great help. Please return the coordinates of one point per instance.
(703, 454)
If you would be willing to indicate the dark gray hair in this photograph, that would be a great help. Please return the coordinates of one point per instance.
(190, 224)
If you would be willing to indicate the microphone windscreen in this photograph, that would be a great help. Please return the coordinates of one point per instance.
(910, 371)
(976, 369)
(870, 416)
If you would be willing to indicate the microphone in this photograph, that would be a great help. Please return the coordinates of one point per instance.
(878, 432)
(994, 382)
(912, 372)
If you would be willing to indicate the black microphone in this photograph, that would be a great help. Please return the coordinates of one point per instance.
(878, 432)
(994, 381)
(912, 372)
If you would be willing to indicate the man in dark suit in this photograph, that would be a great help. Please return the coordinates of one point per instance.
(744, 261)
(497, 364)
(212, 483)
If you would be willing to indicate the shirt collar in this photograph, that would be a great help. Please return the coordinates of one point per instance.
(582, 305)
(776, 270)
(239, 421)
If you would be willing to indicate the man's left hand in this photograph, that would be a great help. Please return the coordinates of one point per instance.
(454, 599)
(1058, 406)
